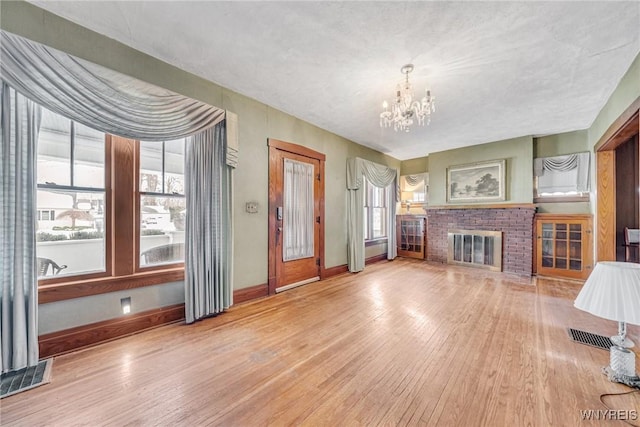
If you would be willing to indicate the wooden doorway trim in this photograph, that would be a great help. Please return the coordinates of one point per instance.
(623, 128)
(275, 146)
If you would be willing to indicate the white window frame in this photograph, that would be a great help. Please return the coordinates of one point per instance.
(370, 203)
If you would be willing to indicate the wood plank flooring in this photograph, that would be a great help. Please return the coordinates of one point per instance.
(402, 343)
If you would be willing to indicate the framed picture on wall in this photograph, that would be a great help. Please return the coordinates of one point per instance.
(476, 182)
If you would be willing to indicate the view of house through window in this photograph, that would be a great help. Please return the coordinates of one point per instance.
(162, 202)
(70, 198)
(375, 211)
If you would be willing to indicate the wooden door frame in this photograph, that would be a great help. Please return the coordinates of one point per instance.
(275, 146)
(623, 128)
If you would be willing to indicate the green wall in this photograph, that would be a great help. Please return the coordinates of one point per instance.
(414, 166)
(257, 123)
(625, 94)
(519, 168)
(561, 144)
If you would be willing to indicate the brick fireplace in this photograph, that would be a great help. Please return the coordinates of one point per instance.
(514, 221)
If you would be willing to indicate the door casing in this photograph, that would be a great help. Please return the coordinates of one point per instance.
(275, 147)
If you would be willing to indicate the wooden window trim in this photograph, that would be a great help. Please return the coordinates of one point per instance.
(561, 199)
(86, 287)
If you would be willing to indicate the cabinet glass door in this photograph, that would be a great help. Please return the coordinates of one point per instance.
(564, 245)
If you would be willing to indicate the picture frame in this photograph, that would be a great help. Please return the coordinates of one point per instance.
(477, 182)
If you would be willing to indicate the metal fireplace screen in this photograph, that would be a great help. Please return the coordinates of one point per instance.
(476, 248)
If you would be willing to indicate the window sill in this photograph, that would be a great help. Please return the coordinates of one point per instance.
(561, 199)
(102, 285)
(374, 242)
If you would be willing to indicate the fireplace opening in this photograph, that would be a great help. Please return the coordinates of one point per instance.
(475, 248)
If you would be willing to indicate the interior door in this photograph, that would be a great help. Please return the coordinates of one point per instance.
(296, 200)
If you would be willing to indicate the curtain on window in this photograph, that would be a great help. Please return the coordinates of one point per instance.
(19, 125)
(379, 176)
(209, 228)
(298, 210)
(562, 174)
(100, 98)
(114, 103)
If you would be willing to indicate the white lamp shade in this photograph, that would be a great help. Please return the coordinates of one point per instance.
(612, 292)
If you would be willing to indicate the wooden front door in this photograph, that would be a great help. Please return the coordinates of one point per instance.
(296, 211)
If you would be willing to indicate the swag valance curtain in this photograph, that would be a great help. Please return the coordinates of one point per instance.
(380, 176)
(413, 181)
(98, 97)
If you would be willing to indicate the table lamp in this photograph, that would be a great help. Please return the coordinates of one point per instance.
(612, 292)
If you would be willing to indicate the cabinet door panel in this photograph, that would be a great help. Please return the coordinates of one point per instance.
(563, 247)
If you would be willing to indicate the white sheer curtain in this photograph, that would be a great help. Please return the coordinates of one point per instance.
(19, 126)
(209, 227)
(298, 210)
(379, 176)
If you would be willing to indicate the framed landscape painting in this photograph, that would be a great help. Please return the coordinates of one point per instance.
(476, 182)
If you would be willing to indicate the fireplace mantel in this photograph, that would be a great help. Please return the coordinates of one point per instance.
(486, 206)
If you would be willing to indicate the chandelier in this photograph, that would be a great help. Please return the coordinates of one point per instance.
(404, 110)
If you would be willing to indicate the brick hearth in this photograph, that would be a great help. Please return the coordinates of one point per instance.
(516, 224)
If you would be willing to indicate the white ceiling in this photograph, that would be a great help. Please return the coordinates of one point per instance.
(498, 69)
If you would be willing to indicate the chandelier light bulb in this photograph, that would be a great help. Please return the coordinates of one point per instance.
(404, 109)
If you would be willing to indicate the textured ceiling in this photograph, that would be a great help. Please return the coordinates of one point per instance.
(498, 69)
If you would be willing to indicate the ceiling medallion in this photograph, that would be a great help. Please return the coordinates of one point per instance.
(404, 109)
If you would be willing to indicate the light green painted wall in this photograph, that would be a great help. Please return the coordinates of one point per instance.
(519, 170)
(561, 144)
(257, 123)
(627, 92)
(61, 315)
(414, 166)
(371, 251)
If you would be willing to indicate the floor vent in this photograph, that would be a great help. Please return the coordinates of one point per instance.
(24, 379)
(588, 338)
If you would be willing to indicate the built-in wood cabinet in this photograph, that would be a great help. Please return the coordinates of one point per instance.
(411, 235)
(564, 245)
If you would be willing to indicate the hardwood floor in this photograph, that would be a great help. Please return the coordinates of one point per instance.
(402, 343)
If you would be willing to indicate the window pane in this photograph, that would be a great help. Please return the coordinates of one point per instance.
(88, 168)
(151, 166)
(162, 221)
(174, 166)
(54, 149)
(71, 234)
(376, 197)
(378, 223)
